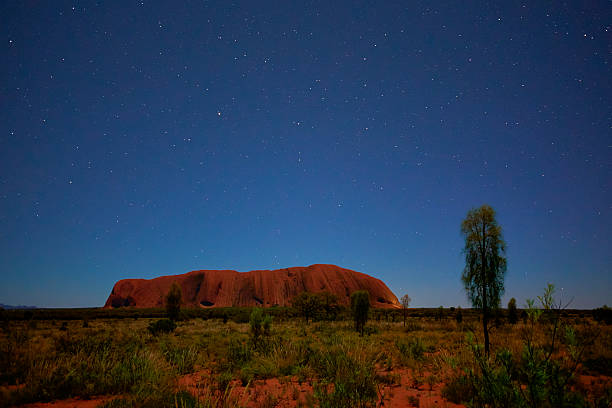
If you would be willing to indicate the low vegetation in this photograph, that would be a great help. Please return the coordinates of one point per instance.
(141, 361)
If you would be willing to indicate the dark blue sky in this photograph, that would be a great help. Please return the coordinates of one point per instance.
(140, 139)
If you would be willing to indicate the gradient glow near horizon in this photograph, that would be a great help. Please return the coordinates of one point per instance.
(140, 139)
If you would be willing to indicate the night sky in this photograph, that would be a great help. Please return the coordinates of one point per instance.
(140, 139)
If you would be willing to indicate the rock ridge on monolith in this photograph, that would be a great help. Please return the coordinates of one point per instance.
(225, 288)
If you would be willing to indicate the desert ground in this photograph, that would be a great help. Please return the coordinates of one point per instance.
(431, 360)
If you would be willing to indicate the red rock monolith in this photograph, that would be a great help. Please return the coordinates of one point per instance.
(224, 288)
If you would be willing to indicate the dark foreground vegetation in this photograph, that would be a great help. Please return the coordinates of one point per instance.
(242, 314)
(272, 357)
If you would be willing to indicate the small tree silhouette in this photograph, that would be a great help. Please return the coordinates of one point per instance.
(260, 324)
(308, 305)
(512, 313)
(174, 298)
(405, 304)
(360, 306)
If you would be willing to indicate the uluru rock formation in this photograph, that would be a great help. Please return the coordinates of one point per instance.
(223, 288)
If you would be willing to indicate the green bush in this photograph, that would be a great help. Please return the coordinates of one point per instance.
(161, 326)
(182, 359)
(316, 306)
(459, 389)
(512, 312)
(259, 324)
(440, 313)
(413, 325)
(257, 369)
(411, 349)
(174, 298)
(360, 306)
(459, 315)
(224, 380)
(603, 314)
(238, 353)
(600, 365)
(157, 399)
(346, 381)
(101, 363)
(533, 379)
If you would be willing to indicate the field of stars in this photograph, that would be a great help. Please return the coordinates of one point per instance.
(152, 138)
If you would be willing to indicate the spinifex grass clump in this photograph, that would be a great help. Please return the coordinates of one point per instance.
(412, 349)
(86, 364)
(347, 376)
(182, 358)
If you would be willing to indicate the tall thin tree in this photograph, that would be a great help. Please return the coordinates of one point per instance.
(485, 263)
(405, 304)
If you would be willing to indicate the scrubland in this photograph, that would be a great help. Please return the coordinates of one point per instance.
(216, 362)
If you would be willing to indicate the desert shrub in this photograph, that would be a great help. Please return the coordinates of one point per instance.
(524, 316)
(100, 363)
(360, 306)
(132, 371)
(491, 385)
(331, 308)
(259, 324)
(174, 298)
(459, 389)
(242, 315)
(603, 314)
(535, 378)
(345, 381)
(224, 380)
(599, 365)
(413, 349)
(238, 353)
(459, 315)
(161, 326)
(158, 399)
(182, 358)
(308, 305)
(413, 325)
(184, 399)
(440, 313)
(257, 369)
(14, 359)
(512, 312)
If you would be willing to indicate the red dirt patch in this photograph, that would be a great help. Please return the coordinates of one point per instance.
(72, 403)
(288, 392)
(410, 394)
(281, 393)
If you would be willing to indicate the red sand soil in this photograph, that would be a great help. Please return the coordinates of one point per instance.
(255, 288)
(409, 394)
(72, 403)
(288, 393)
